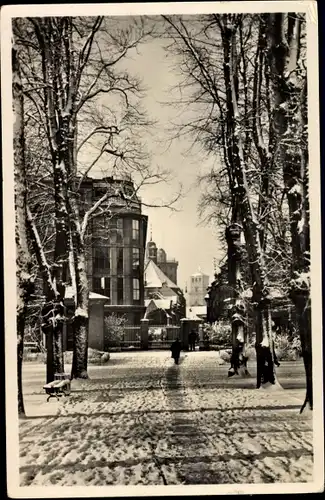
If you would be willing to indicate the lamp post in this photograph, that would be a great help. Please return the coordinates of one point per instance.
(207, 301)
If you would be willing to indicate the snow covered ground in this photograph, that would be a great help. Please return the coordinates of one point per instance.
(142, 420)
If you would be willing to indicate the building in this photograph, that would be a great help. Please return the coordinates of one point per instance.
(116, 239)
(197, 289)
(159, 257)
(164, 300)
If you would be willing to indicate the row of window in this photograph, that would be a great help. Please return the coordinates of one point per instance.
(102, 259)
(103, 286)
(104, 226)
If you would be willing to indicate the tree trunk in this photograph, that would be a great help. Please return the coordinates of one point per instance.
(23, 258)
(265, 355)
(240, 188)
(58, 359)
(81, 321)
(81, 315)
(238, 357)
(301, 301)
(53, 318)
(49, 355)
(290, 128)
(20, 353)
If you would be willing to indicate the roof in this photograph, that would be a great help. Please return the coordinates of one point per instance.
(196, 312)
(155, 277)
(159, 303)
(69, 294)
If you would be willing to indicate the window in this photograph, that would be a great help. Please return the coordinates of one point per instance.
(96, 285)
(116, 227)
(100, 228)
(136, 289)
(135, 230)
(135, 259)
(102, 286)
(119, 260)
(101, 258)
(99, 193)
(119, 231)
(120, 294)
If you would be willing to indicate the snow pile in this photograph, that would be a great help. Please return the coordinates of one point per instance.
(95, 357)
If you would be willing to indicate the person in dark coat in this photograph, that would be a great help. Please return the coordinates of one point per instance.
(176, 350)
(192, 339)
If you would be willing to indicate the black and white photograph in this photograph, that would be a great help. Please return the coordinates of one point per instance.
(162, 249)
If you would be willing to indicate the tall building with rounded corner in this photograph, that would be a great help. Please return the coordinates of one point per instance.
(116, 245)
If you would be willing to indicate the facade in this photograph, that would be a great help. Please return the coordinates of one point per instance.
(164, 300)
(116, 245)
(159, 257)
(197, 291)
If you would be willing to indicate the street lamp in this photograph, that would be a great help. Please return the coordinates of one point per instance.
(207, 301)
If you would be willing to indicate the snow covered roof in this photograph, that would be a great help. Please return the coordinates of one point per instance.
(69, 294)
(196, 312)
(154, 277)
(158, 303)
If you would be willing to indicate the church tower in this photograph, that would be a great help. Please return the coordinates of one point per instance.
(151, 250)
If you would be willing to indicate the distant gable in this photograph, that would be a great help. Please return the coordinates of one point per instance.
(156, 278)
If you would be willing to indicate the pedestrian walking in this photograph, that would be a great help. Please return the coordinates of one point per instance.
(192, 340)
(176, 350)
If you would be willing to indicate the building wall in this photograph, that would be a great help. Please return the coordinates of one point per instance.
(96, 326)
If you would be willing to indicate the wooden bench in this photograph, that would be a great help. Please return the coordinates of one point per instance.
(57, 388)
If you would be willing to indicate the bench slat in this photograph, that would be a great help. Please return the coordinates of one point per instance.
(56, 384)
(62, 383)
(50, 384)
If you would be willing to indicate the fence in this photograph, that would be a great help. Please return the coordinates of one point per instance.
(131, 337)
(161, 337)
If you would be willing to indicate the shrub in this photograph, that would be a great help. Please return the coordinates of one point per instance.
(114, 330)
(287, 349)
(217, 334)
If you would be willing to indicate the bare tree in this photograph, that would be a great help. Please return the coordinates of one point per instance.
(23, 260)
(69, 66)
(289, 90)
(217, 54)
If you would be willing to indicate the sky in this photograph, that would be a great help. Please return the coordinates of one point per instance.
(179, 232)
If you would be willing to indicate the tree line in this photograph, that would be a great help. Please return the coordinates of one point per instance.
(246, 78)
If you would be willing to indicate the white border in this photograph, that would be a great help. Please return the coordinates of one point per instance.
(8, 12)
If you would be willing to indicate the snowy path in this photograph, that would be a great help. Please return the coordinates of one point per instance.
(143, 420)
